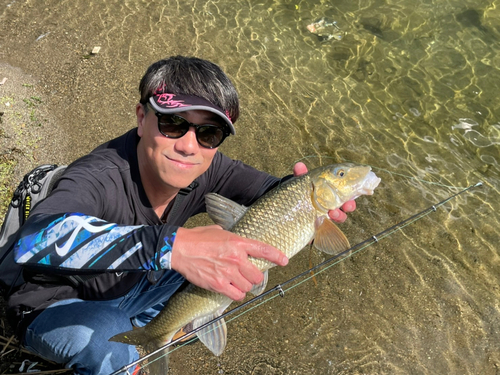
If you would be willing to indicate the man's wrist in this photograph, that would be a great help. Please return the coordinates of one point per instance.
(166, 261)
(165, 254)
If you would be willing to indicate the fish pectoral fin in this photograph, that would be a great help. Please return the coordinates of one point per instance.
(214, 336)
(258, 289)
(223, 211)
(330, 239)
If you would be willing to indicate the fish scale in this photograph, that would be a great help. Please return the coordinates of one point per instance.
(287, 210)
(191, 297)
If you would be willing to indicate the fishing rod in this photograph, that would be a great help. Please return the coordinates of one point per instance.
(279, 288)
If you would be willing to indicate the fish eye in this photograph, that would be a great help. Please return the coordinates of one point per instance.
(341, 173)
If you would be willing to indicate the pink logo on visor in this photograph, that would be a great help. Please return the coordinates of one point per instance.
(168, 101)
(228, 116)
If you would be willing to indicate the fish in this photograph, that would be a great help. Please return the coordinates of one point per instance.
(287, 217)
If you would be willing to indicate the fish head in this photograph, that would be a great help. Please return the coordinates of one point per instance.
(336, 184)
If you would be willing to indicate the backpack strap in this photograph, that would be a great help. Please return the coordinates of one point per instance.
(154, 276)
(181, 195)
(34, 187)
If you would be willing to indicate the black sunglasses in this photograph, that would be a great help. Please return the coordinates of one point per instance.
(175, 126)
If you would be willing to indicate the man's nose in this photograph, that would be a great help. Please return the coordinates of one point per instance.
(188, 143)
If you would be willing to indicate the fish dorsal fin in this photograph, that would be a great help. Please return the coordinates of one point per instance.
(257, 289)
(223, 211)
(330, 239)
(214, 336)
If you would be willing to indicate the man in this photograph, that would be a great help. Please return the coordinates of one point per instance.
(106, 250)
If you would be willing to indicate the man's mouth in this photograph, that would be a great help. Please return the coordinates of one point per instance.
(186, 163)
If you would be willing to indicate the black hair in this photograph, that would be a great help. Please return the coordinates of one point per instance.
(191, 76)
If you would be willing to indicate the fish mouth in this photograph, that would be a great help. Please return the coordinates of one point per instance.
(368, 185)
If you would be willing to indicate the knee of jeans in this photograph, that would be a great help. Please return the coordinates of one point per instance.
(103, 358)
(82, 340)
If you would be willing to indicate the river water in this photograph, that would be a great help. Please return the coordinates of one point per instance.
(408, 87)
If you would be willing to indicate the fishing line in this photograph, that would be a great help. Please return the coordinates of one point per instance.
(305, 275)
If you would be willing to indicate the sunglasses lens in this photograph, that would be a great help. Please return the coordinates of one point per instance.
(209, 136)
(172, 126)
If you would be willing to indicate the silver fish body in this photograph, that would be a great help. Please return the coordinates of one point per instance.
(288, 217)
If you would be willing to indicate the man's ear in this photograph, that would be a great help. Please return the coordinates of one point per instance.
(141, 118)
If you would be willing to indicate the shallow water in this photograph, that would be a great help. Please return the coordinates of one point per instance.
(409, 87)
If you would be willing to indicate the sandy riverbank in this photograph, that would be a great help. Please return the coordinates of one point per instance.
(29, 135)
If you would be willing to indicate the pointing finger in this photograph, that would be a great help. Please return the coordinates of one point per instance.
(261, 250)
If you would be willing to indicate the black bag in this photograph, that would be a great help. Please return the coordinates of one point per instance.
(34, 187)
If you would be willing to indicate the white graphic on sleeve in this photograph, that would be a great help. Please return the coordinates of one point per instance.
(125, 256)
(73, 223)
(82, 223)
(92, 249)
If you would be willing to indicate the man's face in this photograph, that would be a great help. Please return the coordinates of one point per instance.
(167, 162)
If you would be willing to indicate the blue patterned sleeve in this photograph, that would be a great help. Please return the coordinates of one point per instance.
(76, 241)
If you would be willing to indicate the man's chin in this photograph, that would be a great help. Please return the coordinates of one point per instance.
(181, 180)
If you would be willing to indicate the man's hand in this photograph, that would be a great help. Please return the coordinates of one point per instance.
(338, 214)
(217, 260)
